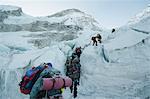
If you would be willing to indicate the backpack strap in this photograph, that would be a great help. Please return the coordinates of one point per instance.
(53, 82)
(64, 85)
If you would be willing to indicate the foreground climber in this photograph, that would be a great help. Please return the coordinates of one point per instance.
(44, 82)
(73, 67)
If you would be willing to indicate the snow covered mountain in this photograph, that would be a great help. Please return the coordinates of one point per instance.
(13, 19)
(142, 20)
(116, 69)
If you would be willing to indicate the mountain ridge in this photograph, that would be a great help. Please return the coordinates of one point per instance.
(16, 20)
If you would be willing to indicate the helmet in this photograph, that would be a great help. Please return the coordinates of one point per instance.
(49, 64)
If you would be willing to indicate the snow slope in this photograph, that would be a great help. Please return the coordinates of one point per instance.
(142, 20)
(116, 69)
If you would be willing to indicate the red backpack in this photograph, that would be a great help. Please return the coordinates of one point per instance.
(30, 78)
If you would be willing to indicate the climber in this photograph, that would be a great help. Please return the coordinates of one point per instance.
(44, 81)
(113, 30)
(73, 71)
(98, 37)
(51, 83)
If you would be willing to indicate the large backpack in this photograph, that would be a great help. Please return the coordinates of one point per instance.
(30, 78)
(49, 83)
(99, 36)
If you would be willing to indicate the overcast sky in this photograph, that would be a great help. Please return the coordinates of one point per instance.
(109, 13)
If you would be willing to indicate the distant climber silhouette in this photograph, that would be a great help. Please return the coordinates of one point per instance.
(96, 39)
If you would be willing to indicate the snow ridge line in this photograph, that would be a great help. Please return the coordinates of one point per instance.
(137, 30)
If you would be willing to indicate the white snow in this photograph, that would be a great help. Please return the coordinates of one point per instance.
(142, 15)
(125, 37)
(24, 19)
(8, 8)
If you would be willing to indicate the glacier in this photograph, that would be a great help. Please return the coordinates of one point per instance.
(118, 68)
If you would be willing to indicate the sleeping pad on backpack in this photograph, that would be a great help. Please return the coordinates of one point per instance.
(49, 82)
